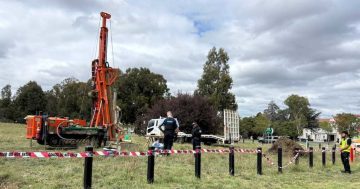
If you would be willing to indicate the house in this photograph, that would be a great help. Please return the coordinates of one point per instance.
(321, 135)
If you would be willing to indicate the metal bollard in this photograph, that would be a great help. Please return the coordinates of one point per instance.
(231, 161)
(259, 161)
(88, 167)
(323, 152)
(311, 157)
(280, 160)
(333, 155)
(319, 146)
(297, 158)
(151, 165)
(198, 162)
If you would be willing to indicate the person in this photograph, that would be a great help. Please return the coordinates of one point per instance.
(171, 127)
(196, 135)
(345, 146)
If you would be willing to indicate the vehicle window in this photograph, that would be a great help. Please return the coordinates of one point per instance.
(151, 123)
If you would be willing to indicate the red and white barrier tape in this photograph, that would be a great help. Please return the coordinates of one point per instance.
(270, 162)
(111, 153)
(291, 161)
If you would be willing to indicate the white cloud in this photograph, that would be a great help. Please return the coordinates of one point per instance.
(276, 48)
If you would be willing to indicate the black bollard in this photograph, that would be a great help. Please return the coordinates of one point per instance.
(259, 161)
(151, 165)
(231, 161)
(319, 146)
(311, 157)
(333, 155)
(198, 162)
(88, 167)
(323, 156)
(280, 160)
(296, 151)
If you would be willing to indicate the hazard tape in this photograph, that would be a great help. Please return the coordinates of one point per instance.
(291, 161)
(270, 162)
(113, 153)
(319, 150)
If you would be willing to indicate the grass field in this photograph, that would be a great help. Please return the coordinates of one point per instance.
(176, 171)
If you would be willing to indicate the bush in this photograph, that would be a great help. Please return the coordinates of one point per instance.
(187, 109)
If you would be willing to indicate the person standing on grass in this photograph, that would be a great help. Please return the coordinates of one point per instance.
(196, 135)
(345, 146)
(171, 127)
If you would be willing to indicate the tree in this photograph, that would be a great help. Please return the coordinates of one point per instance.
(285, 128)
(69, 98)
(138, 90)
(186, 108)
(215, 82)
(6, 106)
(261, 123)
(29, 99)
(300, 113)
(272, 111)
(347, 122)
(326, 126)
(247, 125)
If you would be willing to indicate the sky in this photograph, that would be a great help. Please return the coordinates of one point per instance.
(276, 48)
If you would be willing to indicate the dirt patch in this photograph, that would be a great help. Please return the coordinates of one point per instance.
(288, 146)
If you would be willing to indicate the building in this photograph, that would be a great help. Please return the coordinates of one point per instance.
(321, 135)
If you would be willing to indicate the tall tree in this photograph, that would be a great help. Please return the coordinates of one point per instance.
(216, 82)
(300, 113)
(6, 106)
(272, 111)
(6, 92)
(347, 122)
(29, 99)
(138, 89)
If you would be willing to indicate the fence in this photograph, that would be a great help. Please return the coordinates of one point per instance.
(151, 153)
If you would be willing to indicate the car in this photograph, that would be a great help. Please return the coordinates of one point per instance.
(268, 139)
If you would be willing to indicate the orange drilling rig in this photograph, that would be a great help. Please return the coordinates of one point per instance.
(62, 131)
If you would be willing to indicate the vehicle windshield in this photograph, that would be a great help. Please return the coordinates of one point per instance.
(151, 123)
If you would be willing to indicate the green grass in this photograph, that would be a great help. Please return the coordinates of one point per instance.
(176, 171)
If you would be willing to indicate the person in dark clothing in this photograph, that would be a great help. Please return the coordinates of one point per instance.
(171, 127)
(196, 135)
(345, 146)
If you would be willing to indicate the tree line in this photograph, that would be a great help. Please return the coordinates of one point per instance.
(141, 95)
(296, 116)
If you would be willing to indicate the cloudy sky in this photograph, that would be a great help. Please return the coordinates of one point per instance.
(276, 48)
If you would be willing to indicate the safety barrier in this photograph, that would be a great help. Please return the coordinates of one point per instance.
(112, 153)
(152, 153)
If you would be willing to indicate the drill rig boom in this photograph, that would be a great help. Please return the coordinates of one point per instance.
(59, 131)
(103, 77)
